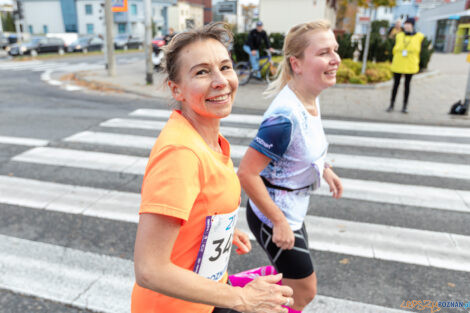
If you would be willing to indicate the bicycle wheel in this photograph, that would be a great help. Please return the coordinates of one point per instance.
(272, 72)
(243, 71)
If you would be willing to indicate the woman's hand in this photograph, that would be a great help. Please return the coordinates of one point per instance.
(283, 236)
(263, 295)
(334, 182)
(242, 241)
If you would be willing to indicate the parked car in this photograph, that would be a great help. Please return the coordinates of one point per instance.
(126, 41)
(38, 45)
(86, 44)
(3, 41)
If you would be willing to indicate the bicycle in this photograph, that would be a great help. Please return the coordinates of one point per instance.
(245, 72)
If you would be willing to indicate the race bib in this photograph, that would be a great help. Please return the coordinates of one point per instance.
(214, 253)
(404, 53)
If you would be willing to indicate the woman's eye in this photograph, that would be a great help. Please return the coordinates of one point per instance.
(201, 72)
(226, 67)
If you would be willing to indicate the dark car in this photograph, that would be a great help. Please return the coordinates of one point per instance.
(86, 44)
(38, 45)
(3, 41)
(126, 41)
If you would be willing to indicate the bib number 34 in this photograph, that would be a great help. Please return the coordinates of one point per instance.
(216, 244)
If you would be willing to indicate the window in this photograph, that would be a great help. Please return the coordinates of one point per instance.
(122, 28)
(90, 29)
(45, 29)
(88, 9)
(30, 29)
(134, 9)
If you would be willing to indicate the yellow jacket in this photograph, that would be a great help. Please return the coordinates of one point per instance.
(406, 53)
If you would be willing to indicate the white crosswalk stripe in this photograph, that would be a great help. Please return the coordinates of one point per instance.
(103, 283)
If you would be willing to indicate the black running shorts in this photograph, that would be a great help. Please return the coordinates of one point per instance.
(296, 263)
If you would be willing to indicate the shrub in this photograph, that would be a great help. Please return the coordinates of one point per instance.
(426, 52)
(354, 66)
(237, 49)
(350, 72)
(360, 79)
(344, 74)
(346, 46)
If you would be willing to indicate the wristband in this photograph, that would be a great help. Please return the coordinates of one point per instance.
(327, 165)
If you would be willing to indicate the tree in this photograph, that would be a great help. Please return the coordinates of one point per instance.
(8, 23)
(372, 5)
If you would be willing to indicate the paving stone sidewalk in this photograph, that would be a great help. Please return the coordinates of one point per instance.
(431, 93)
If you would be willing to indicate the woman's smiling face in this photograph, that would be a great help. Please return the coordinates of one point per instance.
(207, 83)
(319, 62)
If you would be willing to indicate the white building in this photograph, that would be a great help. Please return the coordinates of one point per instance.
(185, 15)
(364, 15)
(280, 15)
(87, 16)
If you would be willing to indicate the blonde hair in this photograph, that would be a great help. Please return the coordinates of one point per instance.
(295, 44)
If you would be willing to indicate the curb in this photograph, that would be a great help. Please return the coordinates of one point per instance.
(385, 84)
(82, 77)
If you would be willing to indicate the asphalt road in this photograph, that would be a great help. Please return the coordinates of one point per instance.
(30, 108)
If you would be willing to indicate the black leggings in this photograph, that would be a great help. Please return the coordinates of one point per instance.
(396, 82)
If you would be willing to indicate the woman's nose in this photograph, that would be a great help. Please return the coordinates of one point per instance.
(219, 80)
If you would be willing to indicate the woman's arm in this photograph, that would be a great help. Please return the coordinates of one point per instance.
(156, 235)
(248, 172)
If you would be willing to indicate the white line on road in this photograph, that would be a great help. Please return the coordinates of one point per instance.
(19, 65)
(22, 141)
(84, 159)
(429, 197)
(237, 118)
(98, 282)
(72, 88)
(340, 140)
(391, 243)
(428, 248)
(401, 166)
(338, 124)
(378, 164)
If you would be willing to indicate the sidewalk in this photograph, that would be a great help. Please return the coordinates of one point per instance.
(431, 94)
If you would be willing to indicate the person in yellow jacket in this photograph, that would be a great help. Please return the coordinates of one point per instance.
(405, 60)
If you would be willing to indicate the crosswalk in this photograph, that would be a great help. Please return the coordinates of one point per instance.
(403, 228)
(48, 67)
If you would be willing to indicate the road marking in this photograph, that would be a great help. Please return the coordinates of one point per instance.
(428, 248)
(54, 82)
(390, 243)
(84, 159)
(98, 282)
(338, 124)
(72, 88)
(390, 165)
(237, 118)
(115, 205)
(340, 160)
(22, 141)
(430, 197)
(19, 65)
(400, 144)
(340, 140)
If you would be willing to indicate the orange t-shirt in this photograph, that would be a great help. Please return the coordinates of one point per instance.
(186, 179)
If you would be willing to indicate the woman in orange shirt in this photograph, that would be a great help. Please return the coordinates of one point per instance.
(191, 194)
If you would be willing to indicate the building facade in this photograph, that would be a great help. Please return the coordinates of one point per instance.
(87, 16)
(447, 25)
(185, 15)
(280, 15)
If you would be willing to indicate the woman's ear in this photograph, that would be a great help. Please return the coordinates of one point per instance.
(295, 65)
(175, 90)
